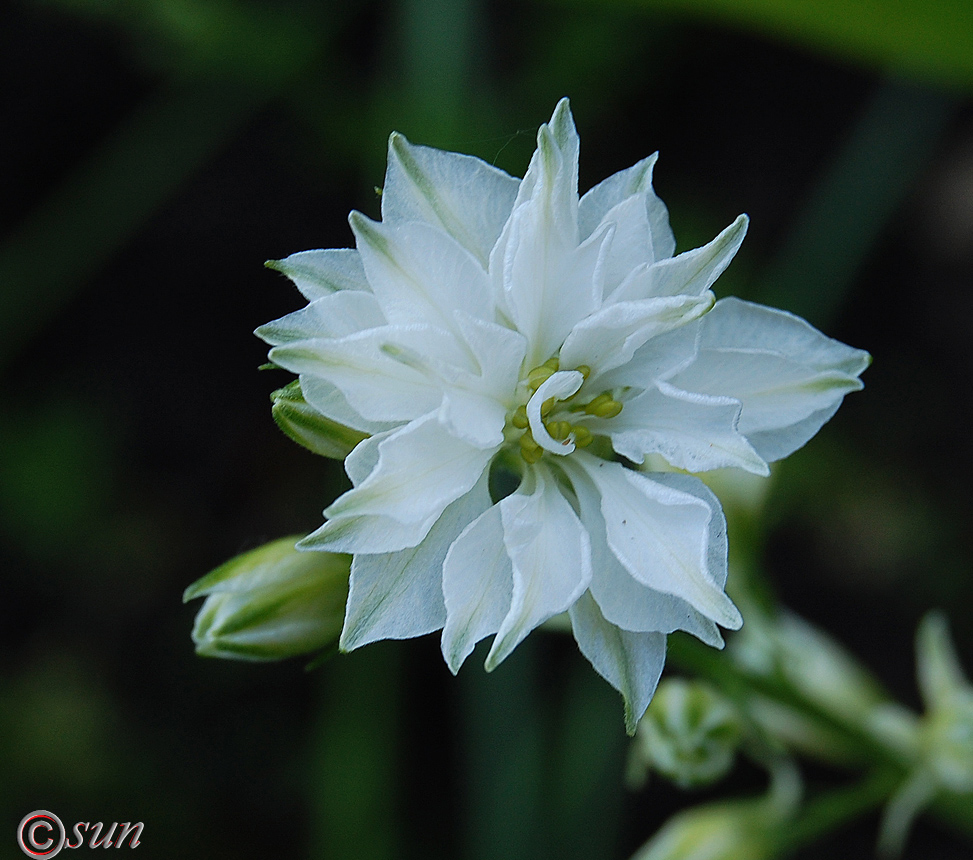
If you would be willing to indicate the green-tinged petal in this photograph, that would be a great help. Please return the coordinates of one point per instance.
(399, 595)
(610, 336)
(335, 315)
(421, 469)
(631, 662)
(308, 427)
(623, 600)
(662, 536)
(695, 432)
(691, 273)
(464, 196)
(320, 273)
(788, 376)
(420, 274)
(636, 181)
(550, 556)
(477, 587)
(270, 603)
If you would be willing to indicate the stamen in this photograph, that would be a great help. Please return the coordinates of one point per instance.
(529, 449)
(603, 406)
(582, 436)
(520, 420)
(540, 374)
(559, 429)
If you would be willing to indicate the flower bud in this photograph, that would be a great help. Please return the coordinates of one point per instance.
(737, 830)
(308, 427)
(689, 734)
(946, 731)
(271, 602)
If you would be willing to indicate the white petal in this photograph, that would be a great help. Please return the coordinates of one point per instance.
(334, 315)
(363, 459)
(631, 662)
(560, 385)
(381, 371)
(695, 432)
(789, 377)
(636, 180)
(533, 264)
(419, 274)
(499, 353)
(472, 417)
(610, 336)
(477, 587)
(623, 600)
(400, 595)
(658, 359)
(661, 535)
(331, 403)
(420, 470)
(691, 273)
(464, 196)
(551, 559)
(631, 244)
(537, 283)
(320, 273)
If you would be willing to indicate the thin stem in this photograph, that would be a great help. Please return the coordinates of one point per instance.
(831, 810)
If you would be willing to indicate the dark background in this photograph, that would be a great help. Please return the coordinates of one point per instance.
(153, 153)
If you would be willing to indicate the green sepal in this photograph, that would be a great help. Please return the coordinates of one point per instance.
(308, 427)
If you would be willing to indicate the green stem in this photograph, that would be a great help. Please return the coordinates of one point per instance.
(829, 811)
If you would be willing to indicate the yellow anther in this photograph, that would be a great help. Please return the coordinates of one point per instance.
(584, 370)
(582, 436)
(528, 443)
(603, 406)
(609, 409)
(548, 405)
(532, 455)
(596, 404)
(541, 373)
(538, 376)
(520, 420)
(559, 430)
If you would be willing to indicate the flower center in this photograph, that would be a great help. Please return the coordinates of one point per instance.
(553, 418)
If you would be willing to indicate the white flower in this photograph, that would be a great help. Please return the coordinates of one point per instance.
(502, 342)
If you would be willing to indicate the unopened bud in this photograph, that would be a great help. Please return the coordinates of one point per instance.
(689, 734)
(308, 427)
(271, 602)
